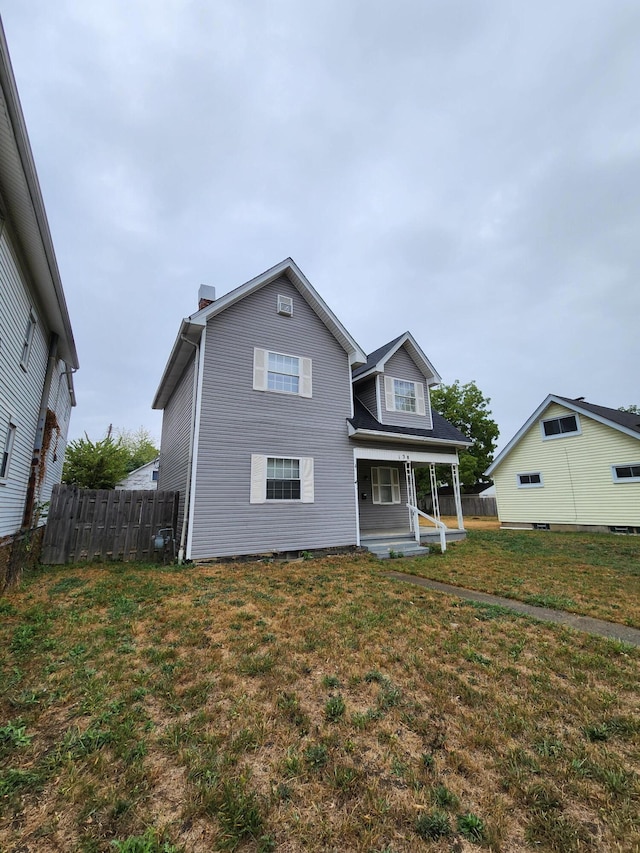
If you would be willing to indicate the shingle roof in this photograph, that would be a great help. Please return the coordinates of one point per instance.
(625, 419)
(442, 429)
(376, 356)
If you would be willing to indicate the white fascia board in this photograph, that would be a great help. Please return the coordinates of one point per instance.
(357, 355)
(388, 455)
(23, 199)
(178, 360)
(400, 438)
(415, 352)
(573, 406)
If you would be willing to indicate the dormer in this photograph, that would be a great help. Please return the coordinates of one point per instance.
(394, 384)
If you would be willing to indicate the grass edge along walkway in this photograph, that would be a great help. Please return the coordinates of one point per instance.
(611, 630)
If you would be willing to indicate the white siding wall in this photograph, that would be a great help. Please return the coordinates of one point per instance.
(576, 470)
(20, 390)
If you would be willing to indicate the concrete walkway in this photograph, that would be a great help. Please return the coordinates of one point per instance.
(581, 623)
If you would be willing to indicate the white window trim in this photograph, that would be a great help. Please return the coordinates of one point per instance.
(258, 491)
(27, 342)
(617, 479)
(390, 396)
(285, 305)
(261, 373)
(522, 485)
(396, 497)
(7, 449)
(577, 431)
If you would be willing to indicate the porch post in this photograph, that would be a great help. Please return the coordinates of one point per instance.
(456, 492)
(411, 498)
(434, 491)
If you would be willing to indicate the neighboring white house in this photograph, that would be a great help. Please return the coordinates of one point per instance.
(573, 465)
(144, 477)
(37, 350)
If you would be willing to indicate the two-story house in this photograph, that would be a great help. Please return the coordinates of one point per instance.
(37, 350)
(573, 465)
(282, 435)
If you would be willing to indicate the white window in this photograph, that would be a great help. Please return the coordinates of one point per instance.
(560, 427)
(281, 478)
(28, 340)
(5, 460)
(385, 485)
(531, 480)
(286, 374)
(626, 473)
(402, 395)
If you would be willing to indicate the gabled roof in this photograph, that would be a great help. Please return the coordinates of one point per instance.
(192, 326)
(625, 422)
(22, 206)
(442, 433)
(376, 360)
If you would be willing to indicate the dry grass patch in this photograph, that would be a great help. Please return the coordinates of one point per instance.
(591, 574)
(304, 706)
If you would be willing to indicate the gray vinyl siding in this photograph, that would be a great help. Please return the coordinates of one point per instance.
(366, 392)
(402, 366)
(237, 421)
(20, 390)
(174, 443)
(380, 516)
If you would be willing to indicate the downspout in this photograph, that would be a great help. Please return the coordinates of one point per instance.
(36, 461)
(187, 489)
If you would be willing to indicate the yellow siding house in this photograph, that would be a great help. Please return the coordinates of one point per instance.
(573, 465)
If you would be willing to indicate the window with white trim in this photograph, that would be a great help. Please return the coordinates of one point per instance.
(5, 460)
(281, 478)
(385, 485)
(530, 480)
(403, 395)
(280, 372)
(560, 427)
(28, 340)
(626, 473)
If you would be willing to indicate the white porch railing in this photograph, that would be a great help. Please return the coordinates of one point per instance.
(417, 514)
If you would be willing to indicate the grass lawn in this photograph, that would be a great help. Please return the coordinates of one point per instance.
(594, 574)
(307, 706)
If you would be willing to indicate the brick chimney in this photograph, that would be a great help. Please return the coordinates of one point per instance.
(206, 295)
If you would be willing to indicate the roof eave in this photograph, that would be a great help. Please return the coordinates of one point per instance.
(402, 438)
(186, 341)
(22, 198)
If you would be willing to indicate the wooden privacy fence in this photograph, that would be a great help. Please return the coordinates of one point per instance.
(85, 524)
(471, 505)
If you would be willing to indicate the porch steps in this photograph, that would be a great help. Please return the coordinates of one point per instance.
(382, 546)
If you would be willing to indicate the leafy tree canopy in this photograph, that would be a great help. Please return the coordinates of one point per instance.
(140, 446)
(101, 464)
(635, 410)
(466, 407)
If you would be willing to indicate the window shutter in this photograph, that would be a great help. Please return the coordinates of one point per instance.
(305, 378)
(395, 483)
(420, 407)
(306, 480)
(258, 479)
(375, 486)
(389, 394)
(259, 369)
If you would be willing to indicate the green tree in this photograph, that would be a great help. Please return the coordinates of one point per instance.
(635, 410)
(95, 464)
(139, 445)
(466, 407)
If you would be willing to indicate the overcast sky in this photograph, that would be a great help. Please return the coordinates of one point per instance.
(466, 170)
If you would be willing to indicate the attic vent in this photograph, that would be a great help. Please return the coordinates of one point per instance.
(285, 306)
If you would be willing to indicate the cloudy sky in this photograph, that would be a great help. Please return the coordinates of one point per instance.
(465, 169)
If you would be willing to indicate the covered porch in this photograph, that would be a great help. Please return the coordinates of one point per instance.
(387, 502)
